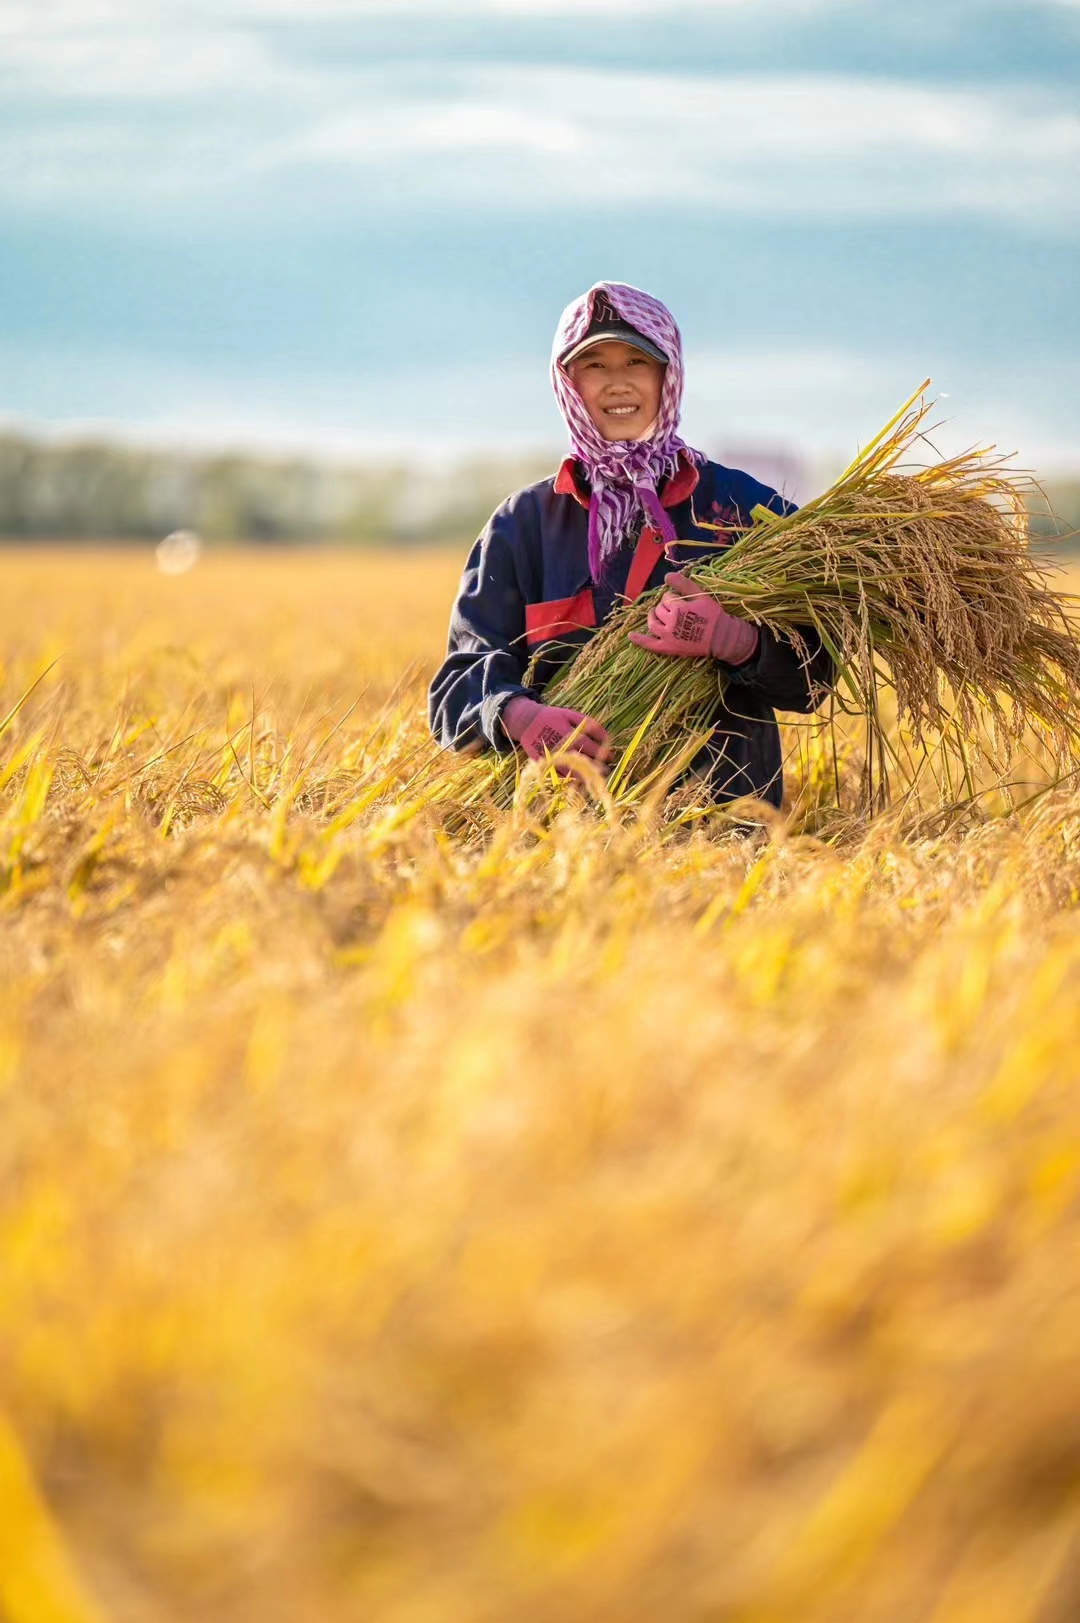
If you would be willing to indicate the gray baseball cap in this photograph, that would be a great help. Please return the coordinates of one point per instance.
(607, 326)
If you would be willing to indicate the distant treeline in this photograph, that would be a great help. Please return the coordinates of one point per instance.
(101, 491)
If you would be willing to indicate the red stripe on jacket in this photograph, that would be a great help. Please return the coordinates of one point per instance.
(544, 620)
(561, 614)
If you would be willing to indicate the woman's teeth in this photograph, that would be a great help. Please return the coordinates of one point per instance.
(620, 411)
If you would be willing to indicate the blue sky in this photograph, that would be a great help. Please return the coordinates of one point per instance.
(351, 225)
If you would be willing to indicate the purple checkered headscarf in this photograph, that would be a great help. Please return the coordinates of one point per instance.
(623, 474)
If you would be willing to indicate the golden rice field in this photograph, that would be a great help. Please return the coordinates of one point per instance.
(610, 1222)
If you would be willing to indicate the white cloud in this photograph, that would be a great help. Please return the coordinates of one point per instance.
(57, 17)
(517, 8)
(462, 8)
(101, 52)
(232, 108)
(765, 144)
(303, 9)
(428, 128)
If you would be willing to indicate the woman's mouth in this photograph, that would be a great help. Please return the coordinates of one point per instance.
(621, 411)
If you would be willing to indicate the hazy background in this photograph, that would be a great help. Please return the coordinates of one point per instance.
(340, 232)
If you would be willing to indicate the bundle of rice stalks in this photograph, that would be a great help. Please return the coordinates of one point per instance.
(949, 643)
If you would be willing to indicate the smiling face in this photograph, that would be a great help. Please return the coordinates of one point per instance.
(620, 388)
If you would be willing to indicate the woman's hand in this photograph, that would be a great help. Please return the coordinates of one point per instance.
(545, 729)
(690, 624)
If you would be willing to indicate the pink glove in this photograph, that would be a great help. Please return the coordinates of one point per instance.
(545, 728)
(689, 623)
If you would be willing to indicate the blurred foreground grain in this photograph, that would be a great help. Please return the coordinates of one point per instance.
(611, 1223)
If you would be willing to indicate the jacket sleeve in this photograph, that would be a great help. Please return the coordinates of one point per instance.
(785, 677)
(486, 653)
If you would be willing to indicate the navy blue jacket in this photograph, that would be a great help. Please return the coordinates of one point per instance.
(526, 592)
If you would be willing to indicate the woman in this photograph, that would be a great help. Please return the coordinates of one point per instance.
(560, 556)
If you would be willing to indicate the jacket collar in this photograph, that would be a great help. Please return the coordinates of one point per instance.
(570, 481)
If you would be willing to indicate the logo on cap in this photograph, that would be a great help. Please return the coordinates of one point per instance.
(604, 314)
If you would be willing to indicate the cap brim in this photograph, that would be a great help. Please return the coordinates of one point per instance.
(636, 339)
